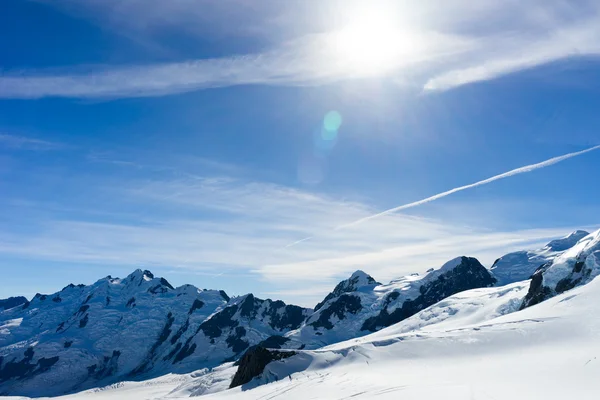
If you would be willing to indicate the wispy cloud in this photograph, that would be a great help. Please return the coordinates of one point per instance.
(448, 49)
(574, 39)
(27, 143)
(222, 225)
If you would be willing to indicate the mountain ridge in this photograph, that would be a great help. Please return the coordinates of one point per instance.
(141, 327)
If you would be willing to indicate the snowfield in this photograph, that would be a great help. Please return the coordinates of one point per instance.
(548, 351)
(538, 338)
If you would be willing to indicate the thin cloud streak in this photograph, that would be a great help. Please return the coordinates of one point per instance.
(27, 143)
(441, 57)
(522, 53)
(516, 171)
(308, 61)
(220, 225)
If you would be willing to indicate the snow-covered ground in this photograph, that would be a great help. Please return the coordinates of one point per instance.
(475, 344)
(548, 351)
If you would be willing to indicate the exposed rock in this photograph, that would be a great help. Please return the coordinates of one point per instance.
(274, 342)
(11, 302)
(196, 306)
(357, 280)
(468, 274)
(577, 266)
(25, 368)
(339, 308)
(521, 265)
(253, 363)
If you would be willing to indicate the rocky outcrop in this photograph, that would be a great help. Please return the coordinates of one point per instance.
(576, 266)
(12, 302)
(253, 363)
(340, 308)
(521, 265)
(360, 305)
(242, 323)
(467, 274)
(358, 280)
(26, 367)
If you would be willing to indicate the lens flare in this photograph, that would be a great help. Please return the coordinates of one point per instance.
(332, 121)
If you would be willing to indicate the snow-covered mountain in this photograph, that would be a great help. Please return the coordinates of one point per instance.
(243, 322)
(11, 302)
(360, 305)
(549, 352)
(137, 327)
(476, 344)
(520, 265)
(576, 266)
(454, 327)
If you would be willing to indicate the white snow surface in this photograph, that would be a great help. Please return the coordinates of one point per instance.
(124, 315)
(550, 351)
(520, 265)
(586, 250)
(374, 297)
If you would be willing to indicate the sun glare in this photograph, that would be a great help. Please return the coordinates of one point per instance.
(372, 43)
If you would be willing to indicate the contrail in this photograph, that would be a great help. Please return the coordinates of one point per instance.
(517, 171)
(298, 241)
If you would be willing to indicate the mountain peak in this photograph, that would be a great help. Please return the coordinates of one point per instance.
(568, 241)
(356, 281)
(139, 274)
(361, 278)
(11, 302)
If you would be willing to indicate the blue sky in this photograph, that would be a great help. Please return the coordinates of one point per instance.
(187, 137)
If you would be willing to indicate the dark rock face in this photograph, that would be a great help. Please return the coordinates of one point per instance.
(274, 342)
(25, 368)
(340, 307)
(235, 341)
(233, 323)
(162, 337)
(11, 302)
(537, 291)
(83, 322)
(250, 308)
(291, 317)
(107, 367)
(577, 275)
(224, 295)
(253, 363)
(348, 286)
(469, 274)
(187, 350)
(214, 326)
(196, 306)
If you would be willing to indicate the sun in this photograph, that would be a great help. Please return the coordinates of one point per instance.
(372, 43)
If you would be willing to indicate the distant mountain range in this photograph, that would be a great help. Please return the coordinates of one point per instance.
(11, 302)
(141, 327)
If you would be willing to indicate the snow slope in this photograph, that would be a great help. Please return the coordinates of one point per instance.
(525, 340)
(360, 305)
(520, 265)
(576, 266)
(550, 351)
(134, 328)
